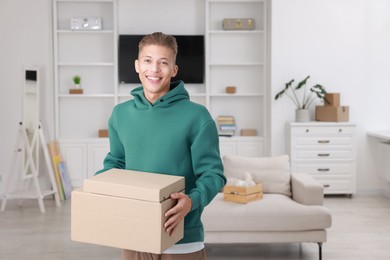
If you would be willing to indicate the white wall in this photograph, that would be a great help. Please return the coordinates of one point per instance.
(25, 29)
(343, 45)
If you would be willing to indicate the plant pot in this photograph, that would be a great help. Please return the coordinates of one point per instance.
(302, 115)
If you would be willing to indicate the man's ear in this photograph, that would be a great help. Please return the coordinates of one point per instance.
(175, 70)
(136, 66)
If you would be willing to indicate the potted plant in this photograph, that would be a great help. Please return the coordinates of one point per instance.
(76, 81)
(304, 100)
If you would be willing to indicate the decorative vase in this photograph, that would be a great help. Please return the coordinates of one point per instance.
(77, 86)
(302, 115)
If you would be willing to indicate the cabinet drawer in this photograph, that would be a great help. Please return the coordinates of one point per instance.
(322, 155)
(338, 187)
(322, 141)
(326, 169)
(327, 130)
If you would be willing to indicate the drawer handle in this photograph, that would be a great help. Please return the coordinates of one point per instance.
(323, 169)
(326, 185)
(323, 141)
(323, 154)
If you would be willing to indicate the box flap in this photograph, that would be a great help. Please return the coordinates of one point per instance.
(134, 184)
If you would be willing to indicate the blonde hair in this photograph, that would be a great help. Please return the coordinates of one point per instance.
(158, 38)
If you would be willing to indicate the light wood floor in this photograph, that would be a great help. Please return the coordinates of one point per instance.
(360, 230)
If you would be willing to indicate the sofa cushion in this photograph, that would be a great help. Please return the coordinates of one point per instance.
(273, 172)
(274, 212)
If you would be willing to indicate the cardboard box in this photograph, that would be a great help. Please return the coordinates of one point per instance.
(230, 89)
(333, 99)
(76, 91)
(243, 194)
(332, 114)
(248, 132)
(103, 133)
(125, 209)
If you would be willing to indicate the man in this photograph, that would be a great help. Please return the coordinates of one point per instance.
(162, 131)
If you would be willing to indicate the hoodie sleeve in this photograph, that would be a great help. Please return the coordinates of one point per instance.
(207, 166)
(116, 157)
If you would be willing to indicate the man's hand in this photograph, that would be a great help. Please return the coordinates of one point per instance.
(178, 212)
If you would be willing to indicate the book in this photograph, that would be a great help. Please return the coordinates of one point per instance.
(62, 178)
(55, 159)
(65, 180)
(226, 125)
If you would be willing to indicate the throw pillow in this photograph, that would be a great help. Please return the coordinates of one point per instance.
(273, 172)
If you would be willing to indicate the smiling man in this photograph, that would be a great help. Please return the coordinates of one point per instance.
(162, 131)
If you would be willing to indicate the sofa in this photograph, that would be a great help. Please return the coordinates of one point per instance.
(291, 209)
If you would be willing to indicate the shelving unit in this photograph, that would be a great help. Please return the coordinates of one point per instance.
(238, 58)
(92, 54)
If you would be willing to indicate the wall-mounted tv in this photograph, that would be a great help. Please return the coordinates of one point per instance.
(190, 58)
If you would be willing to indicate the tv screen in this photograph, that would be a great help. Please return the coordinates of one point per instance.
(190, 58)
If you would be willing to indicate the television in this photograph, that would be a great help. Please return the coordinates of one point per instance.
(190, 58)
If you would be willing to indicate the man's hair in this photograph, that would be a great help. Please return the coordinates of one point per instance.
(158, 38)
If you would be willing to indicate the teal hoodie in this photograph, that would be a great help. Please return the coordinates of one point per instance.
(172, 136)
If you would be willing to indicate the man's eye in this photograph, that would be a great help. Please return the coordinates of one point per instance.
(147, 60)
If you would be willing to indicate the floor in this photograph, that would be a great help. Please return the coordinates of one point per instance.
(360, 230)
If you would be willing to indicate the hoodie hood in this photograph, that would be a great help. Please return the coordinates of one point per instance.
(176, 93)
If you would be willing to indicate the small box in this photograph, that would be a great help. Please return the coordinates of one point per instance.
(248, 132)
(125, 209)
(243, 195)
(103, 133)
(86, 23)
(333, 99)
(332, 114)
(230, 89)
(238, 24)
(76, 91)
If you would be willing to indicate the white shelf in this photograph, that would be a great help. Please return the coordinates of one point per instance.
(238, 64)
(237, 95)
(236, 32)
(97, 64)
(236, 1)
(85, 31)
(239, 58)
(86, 95)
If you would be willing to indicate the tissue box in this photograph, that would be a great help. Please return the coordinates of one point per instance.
(243, 194)
(125, 209)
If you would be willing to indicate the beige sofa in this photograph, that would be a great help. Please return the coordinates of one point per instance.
(291, 209)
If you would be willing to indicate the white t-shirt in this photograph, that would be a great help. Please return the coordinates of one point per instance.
(185, 248)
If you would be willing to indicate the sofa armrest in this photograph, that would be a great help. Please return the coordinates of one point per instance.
(306, 190)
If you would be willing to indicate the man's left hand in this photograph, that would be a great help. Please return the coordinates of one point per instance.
(178, 212)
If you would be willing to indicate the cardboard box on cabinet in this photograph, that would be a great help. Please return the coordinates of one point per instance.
(125, 209)
(333, 99)
(332, 114)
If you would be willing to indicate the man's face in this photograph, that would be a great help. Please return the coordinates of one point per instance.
(155, 67)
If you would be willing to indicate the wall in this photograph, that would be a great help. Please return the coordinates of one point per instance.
(25, 29)
(343, 45)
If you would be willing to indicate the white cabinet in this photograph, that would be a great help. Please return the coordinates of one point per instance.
(84, 158)
(242, 146)
(239, 58)
(327, 151)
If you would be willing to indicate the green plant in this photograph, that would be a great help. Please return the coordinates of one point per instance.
(304, 100)
(76, 80)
